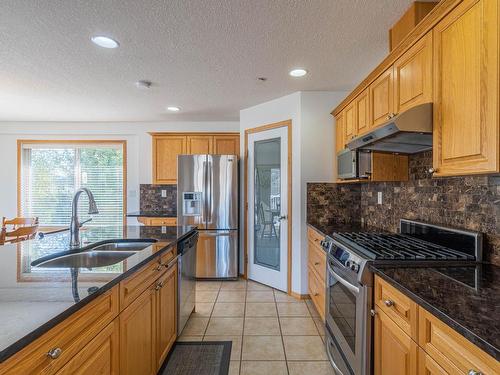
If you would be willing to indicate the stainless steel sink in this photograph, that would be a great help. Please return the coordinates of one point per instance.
(122, 246)
(87, 259)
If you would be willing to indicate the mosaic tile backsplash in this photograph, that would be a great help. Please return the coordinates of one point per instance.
(470, 202)
(152, 201)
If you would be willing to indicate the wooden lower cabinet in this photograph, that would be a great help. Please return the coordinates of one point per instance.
(166, 311)
(100, 356)
(316, 271)
(428, 366)
(138, 335)
(395, 353)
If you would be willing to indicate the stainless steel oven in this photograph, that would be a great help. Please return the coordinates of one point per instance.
(354, 164)
(348, 320)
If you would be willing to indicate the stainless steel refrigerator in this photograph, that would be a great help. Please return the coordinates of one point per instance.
(207, 196)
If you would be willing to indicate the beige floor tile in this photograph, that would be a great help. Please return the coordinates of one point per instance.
(189, 338)
(310, 368)
(252, 285)
(235, 347)
(260, 296)
(229, 309)
(304, 348)
(292, 309)
(206, 295)
(263, 367)
(258, 348)
(234, 368)
(261, 326)
(298, 326)
(261, 309)
(208, 285)
(234, 285)
(195, 327)
(231, 296)
(319, 325)
(283, 297)
(225, 326)
(312, 308)
(203, 310)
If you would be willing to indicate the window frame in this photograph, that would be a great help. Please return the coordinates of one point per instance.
(21, 142)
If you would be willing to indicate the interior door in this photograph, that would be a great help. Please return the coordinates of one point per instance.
(268, 207)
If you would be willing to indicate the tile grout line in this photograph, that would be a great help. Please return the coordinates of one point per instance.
(281, 333)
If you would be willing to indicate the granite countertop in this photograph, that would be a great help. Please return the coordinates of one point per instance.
(152, 214)
(466, 297)
(34, 299)
(327, 229)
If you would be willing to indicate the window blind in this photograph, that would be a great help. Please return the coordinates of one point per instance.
(51, 173)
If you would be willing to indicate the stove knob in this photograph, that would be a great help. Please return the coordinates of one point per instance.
(355, 267)
(348, 264)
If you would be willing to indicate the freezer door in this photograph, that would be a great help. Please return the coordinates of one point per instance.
(222, 192)
(217, 254)
(191, 190)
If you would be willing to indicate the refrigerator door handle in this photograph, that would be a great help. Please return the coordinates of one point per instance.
(209, 190)
(205, 192)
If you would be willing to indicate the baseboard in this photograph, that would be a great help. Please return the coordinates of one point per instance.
(300, 296)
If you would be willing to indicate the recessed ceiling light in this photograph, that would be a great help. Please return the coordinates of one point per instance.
(298, 72)
(143, 84)
(173, 109)
(104, 41)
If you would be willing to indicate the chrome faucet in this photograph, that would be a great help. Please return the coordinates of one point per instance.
(75, 224)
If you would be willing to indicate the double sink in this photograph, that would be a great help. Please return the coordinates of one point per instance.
(100, 255)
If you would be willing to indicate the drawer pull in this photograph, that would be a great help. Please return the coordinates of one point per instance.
(54, 353)
(159, 285)
(389, 303)
(159, 267)
(474, 372)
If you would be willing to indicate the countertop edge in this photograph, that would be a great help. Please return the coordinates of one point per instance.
(44, 328)
(462, 330)
(150, 214)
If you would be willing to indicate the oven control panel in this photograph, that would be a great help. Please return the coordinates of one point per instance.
(348, 259)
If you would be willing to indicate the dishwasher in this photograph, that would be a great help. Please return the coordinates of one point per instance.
(186, 280)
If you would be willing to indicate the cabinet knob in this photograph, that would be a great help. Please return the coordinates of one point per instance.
(159, 285)
(389, 303)
(159, 267)
(432, 170)
(54, 353)
(316, 263)
(391, 115)
(474, 372)
(316, 294)
(373, 312)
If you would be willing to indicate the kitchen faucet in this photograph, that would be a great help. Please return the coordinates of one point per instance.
(75, 224)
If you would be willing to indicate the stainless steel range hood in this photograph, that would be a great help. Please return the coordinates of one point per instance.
(409, 132)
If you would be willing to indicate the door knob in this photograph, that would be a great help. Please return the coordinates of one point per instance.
(284, 217)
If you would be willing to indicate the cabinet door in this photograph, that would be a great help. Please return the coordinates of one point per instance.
(381, 98)
(199, 144)
(362, 112)
(100, 356)
(350, 126)
(413, 75)
(165, 151)
(166, 310)
(395, 352)
(466, 124)
(227, 145)
(427, 366)
(138, 335)
(339, 134)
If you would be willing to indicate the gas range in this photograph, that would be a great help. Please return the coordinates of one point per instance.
(349, 289)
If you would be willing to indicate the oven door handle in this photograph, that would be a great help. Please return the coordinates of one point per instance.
(329, 342)
(345, 283)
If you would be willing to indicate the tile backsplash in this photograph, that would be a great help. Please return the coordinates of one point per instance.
(470, 202)
(152, 201)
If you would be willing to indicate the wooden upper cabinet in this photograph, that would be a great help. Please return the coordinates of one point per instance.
(165, 151)
(413, 75)
(339, 134)
(466, 123)
(381, 98)
(395, 353)
(199, 144)
(226, 145)
(350, 125)
(362, 112)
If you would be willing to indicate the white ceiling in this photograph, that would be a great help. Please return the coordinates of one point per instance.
(202, 55)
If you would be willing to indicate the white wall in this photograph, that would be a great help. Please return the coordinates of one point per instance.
(312, 155)
(139, 151)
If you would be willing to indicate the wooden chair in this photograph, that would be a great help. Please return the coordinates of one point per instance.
(22, 229)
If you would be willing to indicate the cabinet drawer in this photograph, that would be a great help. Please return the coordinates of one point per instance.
(70, 336)
(317, 260)
(317, 292)
(158, 221)
(453, 352)
(401, 309)
(133, 286)
(314, 236)
(168, 256)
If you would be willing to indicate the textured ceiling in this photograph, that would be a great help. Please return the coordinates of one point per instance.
(202, 55)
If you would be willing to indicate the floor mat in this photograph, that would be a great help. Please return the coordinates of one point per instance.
(198, 358)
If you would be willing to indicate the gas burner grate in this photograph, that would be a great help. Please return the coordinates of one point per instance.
(400, 246)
